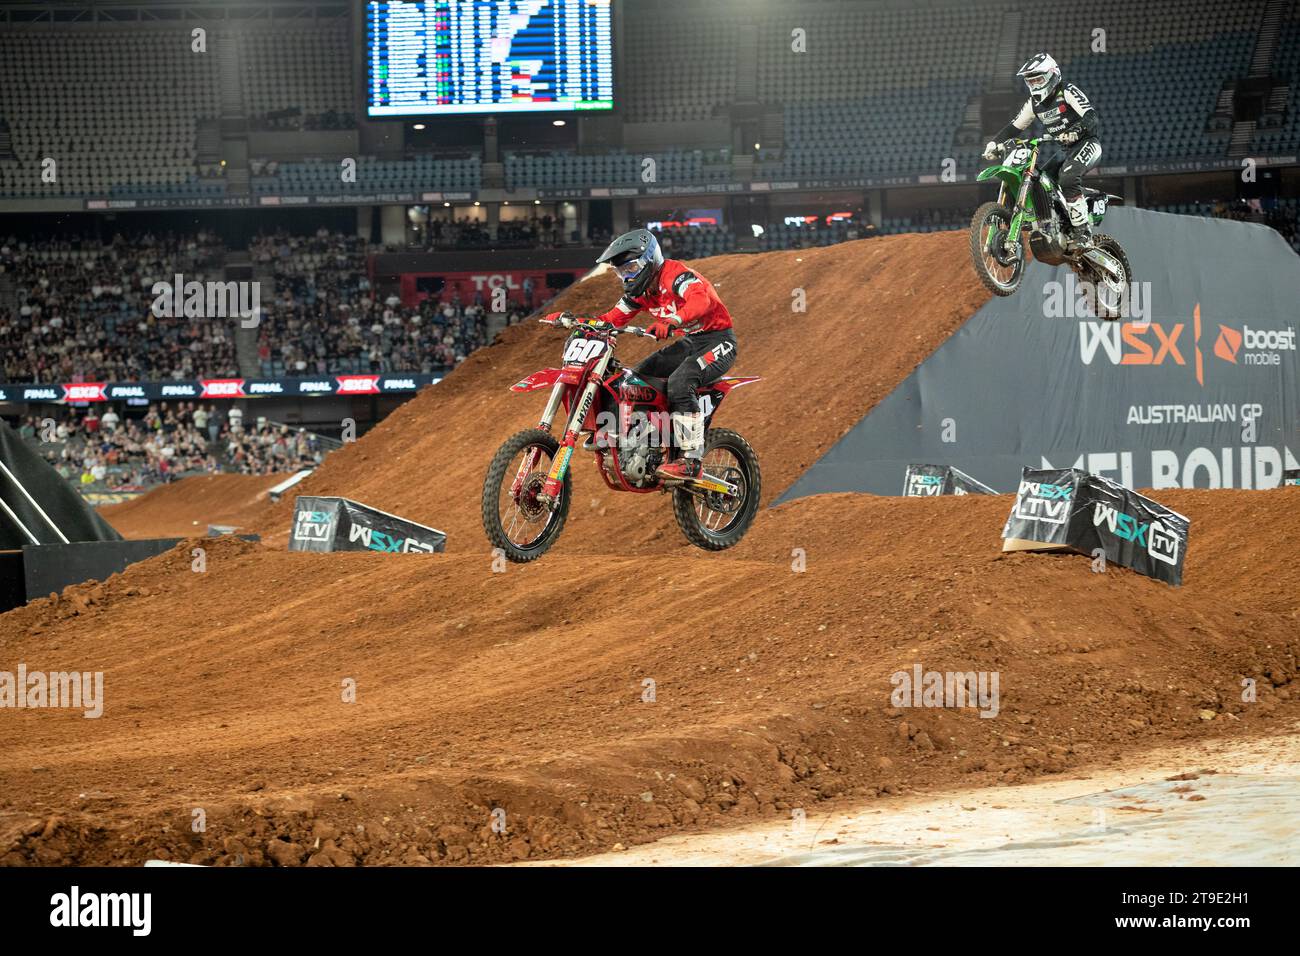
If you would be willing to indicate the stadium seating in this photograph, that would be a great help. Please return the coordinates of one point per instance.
(297, 69)
(680, 61)
(695, 242)
(858, 51)
(110, 106)
(874, 95)
(1284, 135)
(81, 311)
(879, 135)
(323, 177)
(620, 168)
(1157, 84)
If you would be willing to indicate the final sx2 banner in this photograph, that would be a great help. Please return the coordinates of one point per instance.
(1199, 389)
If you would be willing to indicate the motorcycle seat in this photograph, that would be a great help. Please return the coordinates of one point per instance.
(659, 384)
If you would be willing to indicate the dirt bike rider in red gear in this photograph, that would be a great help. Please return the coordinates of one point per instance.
(681, 300)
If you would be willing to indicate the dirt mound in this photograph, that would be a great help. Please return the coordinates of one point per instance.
(188, 506)
(369, 708)
(574, 705)
(874, 310)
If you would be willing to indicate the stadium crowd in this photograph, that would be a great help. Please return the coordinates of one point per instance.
(537, 232)
(81, 310)
(167, 442)
(326, 318)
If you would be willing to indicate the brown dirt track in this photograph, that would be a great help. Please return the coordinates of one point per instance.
(185, 508)
(523, 691)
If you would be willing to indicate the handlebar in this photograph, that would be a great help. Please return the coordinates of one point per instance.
(1006, 145)
(609, 328)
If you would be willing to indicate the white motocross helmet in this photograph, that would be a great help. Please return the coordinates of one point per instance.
(1041, 74)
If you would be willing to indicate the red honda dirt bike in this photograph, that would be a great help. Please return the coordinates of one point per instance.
(528, 488)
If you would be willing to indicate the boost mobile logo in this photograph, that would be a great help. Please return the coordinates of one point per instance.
(1160, 542)
(1043, 502)
(1262, 345)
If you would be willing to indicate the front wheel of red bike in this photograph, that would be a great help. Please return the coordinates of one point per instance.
(517, 516)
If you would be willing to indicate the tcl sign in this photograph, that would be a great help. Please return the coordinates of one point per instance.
(482, 285)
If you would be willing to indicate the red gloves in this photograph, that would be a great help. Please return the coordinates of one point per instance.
(661, 329)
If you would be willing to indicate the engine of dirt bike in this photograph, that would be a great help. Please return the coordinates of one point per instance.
(638, 458)
(1047, 239)
(645, 427)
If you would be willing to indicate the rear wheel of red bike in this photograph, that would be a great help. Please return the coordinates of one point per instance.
(715, 521)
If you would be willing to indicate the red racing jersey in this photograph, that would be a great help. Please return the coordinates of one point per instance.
(684, 298)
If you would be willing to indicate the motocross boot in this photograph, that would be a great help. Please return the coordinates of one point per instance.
(688, 433)
(1080, 223)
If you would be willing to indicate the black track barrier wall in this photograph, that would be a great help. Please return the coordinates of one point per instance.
(1199, 388)
(1068, 508)
(340, 524)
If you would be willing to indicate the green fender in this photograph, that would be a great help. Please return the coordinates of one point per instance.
(1008, 174)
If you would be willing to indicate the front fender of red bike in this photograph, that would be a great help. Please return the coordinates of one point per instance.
(547, 377)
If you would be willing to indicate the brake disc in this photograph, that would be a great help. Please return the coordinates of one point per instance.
(531, 502)
(1000, 253)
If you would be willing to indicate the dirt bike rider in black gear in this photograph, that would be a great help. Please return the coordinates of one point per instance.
(1066, 114)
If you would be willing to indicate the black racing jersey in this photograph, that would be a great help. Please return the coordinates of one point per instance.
(1066, 110)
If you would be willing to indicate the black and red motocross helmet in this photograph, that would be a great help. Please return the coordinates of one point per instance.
(637, 259)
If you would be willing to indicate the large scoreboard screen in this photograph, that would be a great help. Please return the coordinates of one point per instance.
(440, 57)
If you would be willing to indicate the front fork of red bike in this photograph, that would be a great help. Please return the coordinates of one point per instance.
(530, 459)
(578, 414)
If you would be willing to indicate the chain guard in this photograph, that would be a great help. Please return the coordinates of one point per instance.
(723, 503)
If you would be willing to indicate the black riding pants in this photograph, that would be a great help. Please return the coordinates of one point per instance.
(1069, 164)
(691, 361)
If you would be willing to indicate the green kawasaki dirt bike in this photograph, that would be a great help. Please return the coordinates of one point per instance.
(1030, 205)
